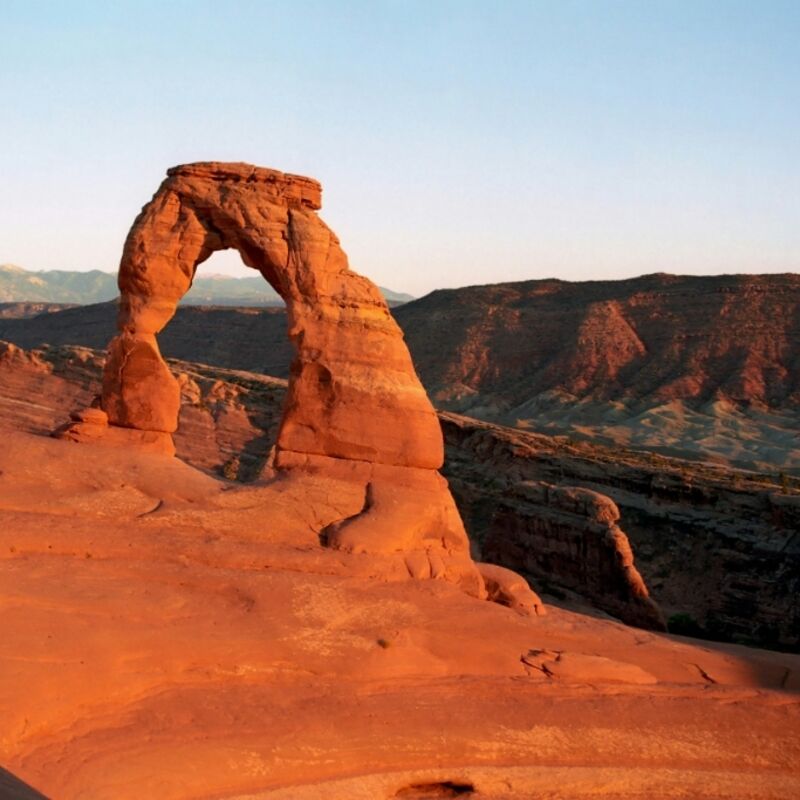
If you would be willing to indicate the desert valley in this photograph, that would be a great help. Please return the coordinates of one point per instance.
(268, 567)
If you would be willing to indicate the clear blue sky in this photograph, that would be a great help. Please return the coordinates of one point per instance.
(457, 142)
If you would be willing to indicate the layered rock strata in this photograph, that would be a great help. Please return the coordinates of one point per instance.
(489, 350)
(713, 545)
(718, 549)
(545, 530)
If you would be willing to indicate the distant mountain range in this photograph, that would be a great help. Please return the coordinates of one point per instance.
(62, 286)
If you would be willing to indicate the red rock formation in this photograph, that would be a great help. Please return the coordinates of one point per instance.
(355, 409)
(546, 530)
(509, 589)
(159, 640)
(352, 377)
(654, 338)
(703, 536)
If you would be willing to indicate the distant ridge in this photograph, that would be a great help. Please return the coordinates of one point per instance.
(658, 337)
(18, 285)
(697, 367)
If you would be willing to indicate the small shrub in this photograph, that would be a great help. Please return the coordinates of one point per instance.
(230, 469)
(684, 624)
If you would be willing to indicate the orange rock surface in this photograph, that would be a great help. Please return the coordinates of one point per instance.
(168, 636)
(355, 408)
(319, 633)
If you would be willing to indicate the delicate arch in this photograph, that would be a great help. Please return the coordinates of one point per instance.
(353, 392)
(355, 410)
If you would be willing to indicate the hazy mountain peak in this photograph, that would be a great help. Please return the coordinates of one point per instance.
(95, 286)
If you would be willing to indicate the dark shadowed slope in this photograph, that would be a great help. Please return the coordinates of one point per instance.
(240, 338)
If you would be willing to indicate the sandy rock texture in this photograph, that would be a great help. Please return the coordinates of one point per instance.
(353, 391)
(168, 634)
(702, 535)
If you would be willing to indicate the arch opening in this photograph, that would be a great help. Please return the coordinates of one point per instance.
(228, 422)
(353, 392)
(224, 279)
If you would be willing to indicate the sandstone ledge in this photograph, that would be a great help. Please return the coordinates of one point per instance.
(295, 189)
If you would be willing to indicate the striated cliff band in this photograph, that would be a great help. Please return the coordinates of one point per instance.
(699, 367)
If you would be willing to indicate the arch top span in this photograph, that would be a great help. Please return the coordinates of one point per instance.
(293, 190)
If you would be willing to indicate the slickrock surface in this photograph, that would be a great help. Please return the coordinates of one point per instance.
(169, 635)
(354, 411)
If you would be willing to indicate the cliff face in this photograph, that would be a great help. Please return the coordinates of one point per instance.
(652, 339)
(571, 535)
(715, 545)
(718, 549)
(655, 338)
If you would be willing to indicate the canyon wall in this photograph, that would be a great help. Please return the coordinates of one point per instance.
(655, 338)
(718, 549)
(706, 368)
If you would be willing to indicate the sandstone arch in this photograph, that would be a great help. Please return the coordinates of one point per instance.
(353, 390)
(355, 409)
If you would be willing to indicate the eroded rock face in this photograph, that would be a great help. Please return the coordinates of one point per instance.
(355, 407)
(572, 532)
(651, 339)
(701, 535)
